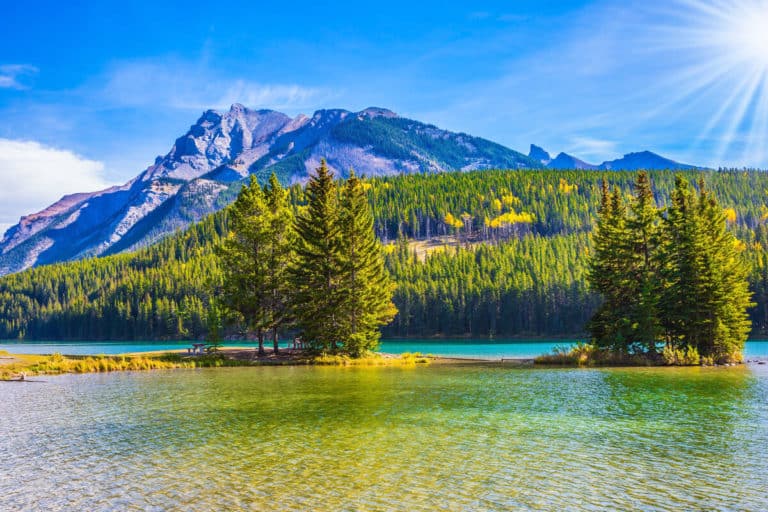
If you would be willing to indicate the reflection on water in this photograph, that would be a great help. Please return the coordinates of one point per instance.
(459, 438)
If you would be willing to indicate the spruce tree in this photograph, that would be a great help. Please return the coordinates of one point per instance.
(684, 309)
(644, 283)
(316, 271)
(365, 287)
(726, 288)
(244, 260)
(213, 328)
(608, 272)
(733, 294)
(280, 251)
(706, 294)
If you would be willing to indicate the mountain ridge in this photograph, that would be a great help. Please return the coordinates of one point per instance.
(201, 172)
(629, 162)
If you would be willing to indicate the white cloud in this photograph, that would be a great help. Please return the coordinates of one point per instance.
(191, 86)
(12, 76)
(592, 149)
(32, 176)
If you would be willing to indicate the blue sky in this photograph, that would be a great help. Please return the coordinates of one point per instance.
(93, 91)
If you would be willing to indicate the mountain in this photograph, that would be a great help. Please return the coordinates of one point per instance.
(566, 161)
(645, 160)
(539, 154)
(629, 162)
(202, 171)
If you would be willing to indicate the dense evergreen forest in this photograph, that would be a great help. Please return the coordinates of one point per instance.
(320, 273)
(671, 276)
(510, 259)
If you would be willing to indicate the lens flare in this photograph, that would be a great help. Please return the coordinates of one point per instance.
(724, 49)
(747, 35)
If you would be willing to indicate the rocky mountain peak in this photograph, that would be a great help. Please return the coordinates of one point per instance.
(201, 174)
(372, 112)
(209, 118)
(329, 116)
(539, 154)
(644, 160)
(216, 139)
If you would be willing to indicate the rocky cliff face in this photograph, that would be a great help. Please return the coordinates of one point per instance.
(539, 154)
(201, 174)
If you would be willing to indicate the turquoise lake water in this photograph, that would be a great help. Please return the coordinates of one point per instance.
(479, 348)
(440, 437)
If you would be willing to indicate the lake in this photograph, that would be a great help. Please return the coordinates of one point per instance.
(468, 437)
(475, 348)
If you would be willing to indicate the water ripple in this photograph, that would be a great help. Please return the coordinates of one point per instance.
(440, 438)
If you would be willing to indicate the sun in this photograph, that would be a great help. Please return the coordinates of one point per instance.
(724, 49)
(732, 30)
(753, 36)
(742, 31)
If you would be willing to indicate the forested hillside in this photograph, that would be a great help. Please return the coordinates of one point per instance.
(199, 173)
(513, 261)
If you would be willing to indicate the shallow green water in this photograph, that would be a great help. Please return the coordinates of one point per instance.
(452, 438)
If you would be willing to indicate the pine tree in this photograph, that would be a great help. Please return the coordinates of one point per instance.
(316, 271)
(608, 272)
(280, 253)
(678, 301)
(706, 291)
(244, 258)
(365, 288)
(643, 238)
(733, 329)
(726, 288)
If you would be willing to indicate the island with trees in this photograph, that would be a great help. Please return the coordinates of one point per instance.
(673, 281)
(319, 272)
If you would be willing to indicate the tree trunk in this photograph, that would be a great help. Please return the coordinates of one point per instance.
(261, 342)
(274, 340)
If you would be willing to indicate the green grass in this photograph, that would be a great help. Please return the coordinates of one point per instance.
(57, 363)
(373, 359)
(585, 354)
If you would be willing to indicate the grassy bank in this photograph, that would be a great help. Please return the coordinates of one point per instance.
(14, 366)
(585, 354)
(18, 364)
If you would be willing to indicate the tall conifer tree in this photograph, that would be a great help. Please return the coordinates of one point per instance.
(280, 252)
(731, 293)
(244, 257)
(316, 271)
(366, 288)
(643, 238)
(608, 271)
(706, 291)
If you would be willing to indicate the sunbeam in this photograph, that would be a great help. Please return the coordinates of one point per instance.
(724, 45)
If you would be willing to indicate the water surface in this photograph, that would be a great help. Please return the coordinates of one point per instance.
(453, 438)
(473, 348)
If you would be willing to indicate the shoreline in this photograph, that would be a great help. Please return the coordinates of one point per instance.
(514, 338)
(13, 367)
(17, 367)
